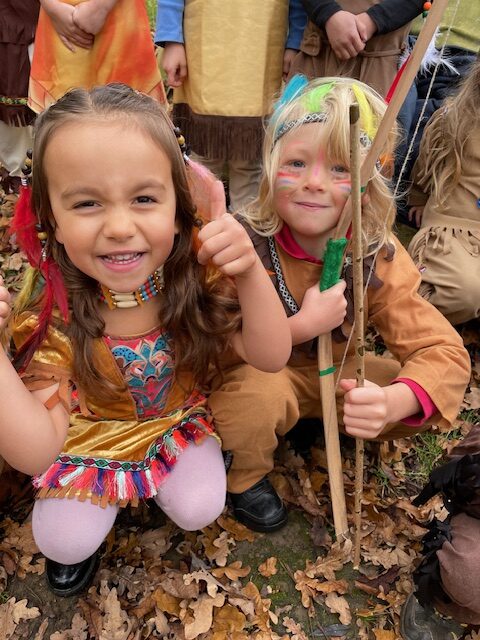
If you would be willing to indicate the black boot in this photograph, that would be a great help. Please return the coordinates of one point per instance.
(260, 508)
(68, 579)
(424, 623)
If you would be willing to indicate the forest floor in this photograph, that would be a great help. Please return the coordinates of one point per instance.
(225, 582)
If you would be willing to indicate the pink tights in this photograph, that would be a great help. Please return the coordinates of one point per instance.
(69, 531)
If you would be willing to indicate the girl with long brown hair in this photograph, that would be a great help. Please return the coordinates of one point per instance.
(116, 329)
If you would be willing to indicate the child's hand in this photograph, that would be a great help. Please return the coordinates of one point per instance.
(90, 16)
(224, 241)
(365, 409)
(288, 56)
(416, 213)
(324, 310)
(61, 15)
(5, 304)
(174, 62)
(366, 26)
(343, 35)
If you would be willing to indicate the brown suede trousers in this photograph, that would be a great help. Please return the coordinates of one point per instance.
(270, 404)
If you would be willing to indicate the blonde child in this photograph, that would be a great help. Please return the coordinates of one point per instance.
(109, 406)
(445, 203)
(304, 189)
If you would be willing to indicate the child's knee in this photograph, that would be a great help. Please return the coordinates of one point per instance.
(199, 512)
(68, 531)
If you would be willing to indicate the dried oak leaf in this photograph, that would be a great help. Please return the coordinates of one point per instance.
(229, 618)
(307, 586)
(339, 554)
(232, 571)
(338, 604)
(202, 614)
(269, 567)
(246, 606)
(389, 558)
(261, 605)
(156, 542)
(218, 550)
(116, 625)
(239, 531)
(294, 628)
(213, 585)
(166, 602)
(173, 583)
(12, 613)
(78, 630)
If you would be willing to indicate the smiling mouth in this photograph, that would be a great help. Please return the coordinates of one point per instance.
(312, 205)
(121, 258)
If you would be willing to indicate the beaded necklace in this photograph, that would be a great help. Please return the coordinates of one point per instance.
(147, 291)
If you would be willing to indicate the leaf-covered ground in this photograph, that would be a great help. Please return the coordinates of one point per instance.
(225, 582)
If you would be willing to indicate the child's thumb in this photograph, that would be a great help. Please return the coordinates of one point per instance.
(218, 203)
(347, 384)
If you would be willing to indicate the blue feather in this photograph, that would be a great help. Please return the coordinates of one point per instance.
(294, 88)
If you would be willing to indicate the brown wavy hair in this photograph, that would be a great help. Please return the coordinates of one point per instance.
(443, 145)
(200, 311)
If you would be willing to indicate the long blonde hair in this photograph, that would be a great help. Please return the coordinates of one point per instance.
(444, 140)
(337, 94)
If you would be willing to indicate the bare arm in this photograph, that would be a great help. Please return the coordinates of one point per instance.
(264, 340)
(61, 15)
(90, 16)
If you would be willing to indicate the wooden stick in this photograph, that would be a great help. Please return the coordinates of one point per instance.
(355, 162)
(426, 34)
(325, 360)
(332, 439)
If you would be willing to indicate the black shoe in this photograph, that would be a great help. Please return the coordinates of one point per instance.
(260, 508)
(68, 579)
(303, 435)
(419, 623)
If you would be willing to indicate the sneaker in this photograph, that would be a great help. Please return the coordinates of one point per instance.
(419, 623)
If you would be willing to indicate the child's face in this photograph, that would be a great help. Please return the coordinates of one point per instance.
(310, 189)
(112, 197)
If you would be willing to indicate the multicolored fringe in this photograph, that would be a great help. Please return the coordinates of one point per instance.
(106, 481)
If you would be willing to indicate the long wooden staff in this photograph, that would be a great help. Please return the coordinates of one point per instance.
(357, 247)
(334, 258)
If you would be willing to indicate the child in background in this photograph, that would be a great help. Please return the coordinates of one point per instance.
(445, 201)
(109, 408)
(86, 43)
(18, 21)
(225, 61)
(362, 39)
(303, 192)
(448, 577)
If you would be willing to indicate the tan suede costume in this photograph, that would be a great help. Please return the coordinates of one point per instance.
(447, 247)
(251, 408)
(376, 65)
